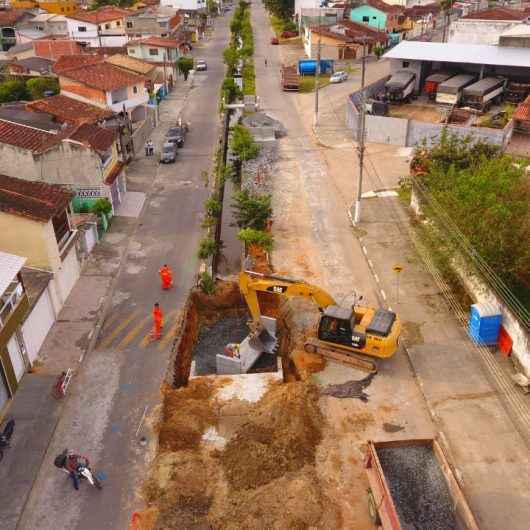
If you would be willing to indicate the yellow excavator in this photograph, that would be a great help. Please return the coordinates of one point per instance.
(344, 334)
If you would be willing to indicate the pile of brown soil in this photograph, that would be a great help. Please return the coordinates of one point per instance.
(187, 412)
(280, 437)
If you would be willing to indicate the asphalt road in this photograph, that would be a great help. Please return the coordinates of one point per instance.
(122, 376)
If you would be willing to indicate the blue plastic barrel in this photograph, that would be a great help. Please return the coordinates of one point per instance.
(485, 323)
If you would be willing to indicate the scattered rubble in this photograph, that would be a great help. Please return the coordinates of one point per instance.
(350, 389)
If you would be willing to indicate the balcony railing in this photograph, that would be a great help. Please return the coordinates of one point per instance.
(9, 301)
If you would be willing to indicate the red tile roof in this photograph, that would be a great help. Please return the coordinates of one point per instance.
(357, 29)
(70, 110)
(157, 41)
(419, 10)
(326, 32)
(522, 113)
(53, 49)
(103, 76)
(103, 14)
(10, 16)
(384, 7)
(99, 138)
(68, 62)
(31, 138)
(36, 200)
(497, 13)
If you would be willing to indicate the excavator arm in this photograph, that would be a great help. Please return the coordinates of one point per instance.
(250, 283)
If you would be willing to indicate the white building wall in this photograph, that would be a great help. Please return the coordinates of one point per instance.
(477, 31)
(305, 4)
(184, 4)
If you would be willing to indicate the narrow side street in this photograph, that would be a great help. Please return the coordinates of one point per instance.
(120, 379)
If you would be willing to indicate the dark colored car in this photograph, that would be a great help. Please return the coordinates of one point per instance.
(274, 40)
(289, 34)
(176, 135)
(169, 153)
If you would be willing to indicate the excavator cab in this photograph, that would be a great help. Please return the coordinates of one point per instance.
(337, 325)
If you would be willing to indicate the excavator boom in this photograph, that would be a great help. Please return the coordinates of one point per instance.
(250, 283)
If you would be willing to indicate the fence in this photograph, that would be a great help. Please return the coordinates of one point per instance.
(408, 133)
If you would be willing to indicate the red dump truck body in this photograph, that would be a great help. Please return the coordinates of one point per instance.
(412, 485)
(290, 79)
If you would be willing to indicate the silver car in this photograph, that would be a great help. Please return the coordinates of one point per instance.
(338, 77)
(201, 66)
(169, 153)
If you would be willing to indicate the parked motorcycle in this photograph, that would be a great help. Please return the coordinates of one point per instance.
(78, 467)
(5, 436)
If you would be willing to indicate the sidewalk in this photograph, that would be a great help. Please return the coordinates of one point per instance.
(488, 451)
(73, 336)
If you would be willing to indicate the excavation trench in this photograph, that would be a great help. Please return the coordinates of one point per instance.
(209, 323)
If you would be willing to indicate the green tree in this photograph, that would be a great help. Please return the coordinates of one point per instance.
(207, 247)
(230, 90)
(13, 90)
(242, 143)
(213, 206)
(231, 59)
(184, 65)
(39, 85)
(250, 236)
(101, 207)
(251, 211)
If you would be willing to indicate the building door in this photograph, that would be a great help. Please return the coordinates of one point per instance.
(16, 355)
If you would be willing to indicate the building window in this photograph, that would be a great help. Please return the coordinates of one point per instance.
(132, 51)
(366, 19)
(406, 64)
(107, 26)
(153, 51)
(129, 24)
(39, 28)
(135, 90)
(118, 23)
(81, 28)
(163, 24)
(375, 18)
(62, 9)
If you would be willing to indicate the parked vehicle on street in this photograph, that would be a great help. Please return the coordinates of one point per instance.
(78, 468)
(289, 34)
(338, 77)
(450, 92)
(168, 154)
(5, 436)
(201, 66)
(176, 135)
(400, 86)
(412, 485)
(482, 94)
(274, 40)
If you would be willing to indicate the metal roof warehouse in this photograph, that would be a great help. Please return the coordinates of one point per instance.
(480, 54)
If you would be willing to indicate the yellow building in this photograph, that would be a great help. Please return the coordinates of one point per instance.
(57, 7)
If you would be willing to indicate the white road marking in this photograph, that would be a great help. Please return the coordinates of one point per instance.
(383, 294)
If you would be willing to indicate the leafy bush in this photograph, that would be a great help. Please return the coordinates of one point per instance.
(13, 90)
(101, 207)
(230, 90)
(39, 85)
(249, 79)
(231, 59)
(242, 143)
(213, 206)
(251, 211)
(250, 236)
(207, 248)
(207, 284)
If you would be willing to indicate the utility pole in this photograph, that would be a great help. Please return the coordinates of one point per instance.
(317, 72)
(360, 139)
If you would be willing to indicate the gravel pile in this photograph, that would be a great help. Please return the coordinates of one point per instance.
(418, 487)
(213, 339)
(257, 173)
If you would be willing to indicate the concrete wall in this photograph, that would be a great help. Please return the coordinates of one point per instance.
(17, 162)
(408, 133)
(31, 239)
(478, 31)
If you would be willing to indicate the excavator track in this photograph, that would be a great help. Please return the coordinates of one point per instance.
(341, 356)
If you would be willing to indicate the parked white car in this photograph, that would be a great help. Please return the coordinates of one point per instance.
(338, 77)
(201, 66)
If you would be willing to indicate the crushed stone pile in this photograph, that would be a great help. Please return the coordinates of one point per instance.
(418, 487)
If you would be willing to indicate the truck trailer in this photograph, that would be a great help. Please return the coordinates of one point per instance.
(450, 92)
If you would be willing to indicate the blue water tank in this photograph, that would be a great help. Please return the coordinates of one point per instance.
(485, 323)
(309, 66)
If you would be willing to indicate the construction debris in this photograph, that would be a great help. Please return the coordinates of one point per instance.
(350, 389)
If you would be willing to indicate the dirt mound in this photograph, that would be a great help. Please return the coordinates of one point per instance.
(187, 412)
(292, 502)
(280, 437)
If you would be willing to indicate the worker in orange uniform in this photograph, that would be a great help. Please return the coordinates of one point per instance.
(166, 276)
(158, 322)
